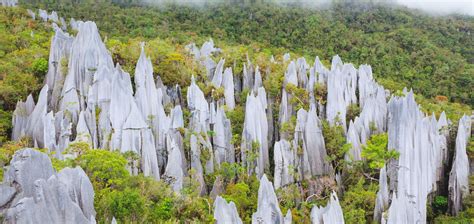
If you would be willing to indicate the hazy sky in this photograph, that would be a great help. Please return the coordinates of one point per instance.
(441, 6)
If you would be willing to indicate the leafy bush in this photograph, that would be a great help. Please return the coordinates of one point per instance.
(336, 144)
(358, 202)
(40, 67)
(376, 152)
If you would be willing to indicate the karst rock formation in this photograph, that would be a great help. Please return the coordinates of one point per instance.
(89, 98)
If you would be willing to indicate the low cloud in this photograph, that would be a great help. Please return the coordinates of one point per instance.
(465, 7)
(436, 7)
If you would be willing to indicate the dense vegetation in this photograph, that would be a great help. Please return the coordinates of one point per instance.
(433, 56)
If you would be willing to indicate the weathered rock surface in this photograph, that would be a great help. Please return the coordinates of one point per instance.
(382, 199)
(225, 212)
(332, 213)
(33, 193)
(459, 175)
(284, 157)
(420, 144)
(268, 209)
(255, 133)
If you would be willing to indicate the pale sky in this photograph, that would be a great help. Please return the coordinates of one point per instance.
(441, 6)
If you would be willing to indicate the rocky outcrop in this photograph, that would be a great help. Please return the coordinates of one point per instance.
(459, 175)
(86, 98)
(174, 173)
(268, 209)
(332, 213)
(341, 88)
(284, 157)
(225, 212)
(32, 192)
(382, 198)
(255, 134)
(9, 3)
(308, 131)
(420, 143)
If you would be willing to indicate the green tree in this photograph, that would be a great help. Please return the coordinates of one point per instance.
(376, 153)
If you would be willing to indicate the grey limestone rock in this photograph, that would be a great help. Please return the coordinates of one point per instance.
(382, 199)
(9, 3)
(459, 175)
(332, 213)
(420, 144)
(225, 212)
(268, 209)
(174, 173)
(255, 133)
(284, 157)
(41, 195)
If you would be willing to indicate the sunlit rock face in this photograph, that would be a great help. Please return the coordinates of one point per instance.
(284, 157)
(373, 115)
(268, 209)
(255, 134)
(459, 175)
(341, 88)
(225, 212)
(332, 213)
(228, 84)
(174, 173)
(34, 126)
(421, 146)
(32, 192)
(88, 55)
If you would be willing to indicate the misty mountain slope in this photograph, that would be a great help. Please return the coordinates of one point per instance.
(172, 131)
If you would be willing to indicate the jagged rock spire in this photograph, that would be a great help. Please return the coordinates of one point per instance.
(255, 133)
(268, 209)
(459, 175)
(284, 157)
(67, 196)
(419, 142)
(225, 212)
(332, 213)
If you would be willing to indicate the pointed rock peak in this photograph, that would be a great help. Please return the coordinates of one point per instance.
(332, 213)
(134, 118)
(268, 209)
(225, 212)
(336, 61)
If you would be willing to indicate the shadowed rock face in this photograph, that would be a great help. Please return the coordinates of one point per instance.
(381, 203)
(459, 176)
(33, 193)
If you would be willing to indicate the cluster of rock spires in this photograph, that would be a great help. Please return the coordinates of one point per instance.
(32, 192)
(86, 98)
(9, 3)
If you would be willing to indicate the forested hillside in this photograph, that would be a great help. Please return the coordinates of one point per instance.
(432, 55)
